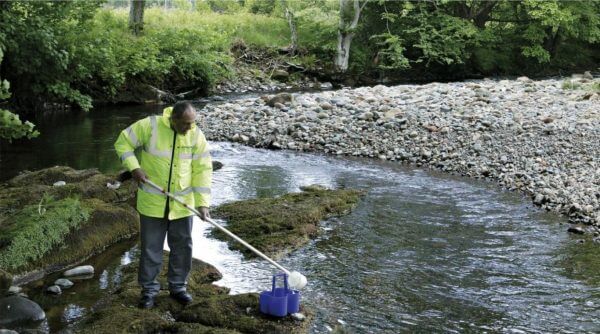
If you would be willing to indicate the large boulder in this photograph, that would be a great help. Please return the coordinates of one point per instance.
(16, 310)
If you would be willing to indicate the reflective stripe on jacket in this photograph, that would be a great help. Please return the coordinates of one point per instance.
(192, 166)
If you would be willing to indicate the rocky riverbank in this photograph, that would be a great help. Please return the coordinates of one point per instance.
(539, 137)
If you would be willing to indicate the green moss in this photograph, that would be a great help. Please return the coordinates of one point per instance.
(107, 224)
(212, 311)
(274, 225)
(36, 229)
(43, 227)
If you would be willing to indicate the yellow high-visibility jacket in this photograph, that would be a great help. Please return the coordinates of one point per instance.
(181, 164)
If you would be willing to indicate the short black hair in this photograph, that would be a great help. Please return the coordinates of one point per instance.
(181, 107)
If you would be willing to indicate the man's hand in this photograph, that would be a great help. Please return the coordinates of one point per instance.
(204, 214)
(139, 175)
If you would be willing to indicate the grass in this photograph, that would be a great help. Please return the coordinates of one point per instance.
(570, 84)
(44, 227)
(259, 30)
(36, 229)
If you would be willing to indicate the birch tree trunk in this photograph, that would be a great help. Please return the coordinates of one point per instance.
(289, 15)
(349, 15)
(136, 16)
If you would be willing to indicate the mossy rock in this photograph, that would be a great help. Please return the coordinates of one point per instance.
(212, 311)
(66, 224)
(278, 225)
(49, 176)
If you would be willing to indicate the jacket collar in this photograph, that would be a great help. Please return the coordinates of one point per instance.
(166, 116)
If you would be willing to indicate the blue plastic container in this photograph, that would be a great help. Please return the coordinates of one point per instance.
(293, 302)
(279, 301)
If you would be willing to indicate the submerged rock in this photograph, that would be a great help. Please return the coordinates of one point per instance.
(13, 290)
(79, 271)
(16, 310)
(64, 283)
(54, 289)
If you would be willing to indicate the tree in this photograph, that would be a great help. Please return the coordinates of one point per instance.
(38, 60)
(136, 16)
(289, 15)
(349, 16)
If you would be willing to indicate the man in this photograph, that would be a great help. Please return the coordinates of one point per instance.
(175, 156)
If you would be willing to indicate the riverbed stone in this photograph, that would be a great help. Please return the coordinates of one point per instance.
(17, 310)
(54, 290)
(516, 122)
(79, 271)
(14, 290)
(63, 283)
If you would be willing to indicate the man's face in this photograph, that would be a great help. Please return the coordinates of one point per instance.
(184, 124)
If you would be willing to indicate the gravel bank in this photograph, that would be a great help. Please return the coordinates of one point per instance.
(534, 136)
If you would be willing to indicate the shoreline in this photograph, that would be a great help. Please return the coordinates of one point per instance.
(533, 136)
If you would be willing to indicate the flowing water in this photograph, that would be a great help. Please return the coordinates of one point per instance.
(422, 251)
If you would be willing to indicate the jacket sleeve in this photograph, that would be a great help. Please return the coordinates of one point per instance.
(201, 171)
(129, 139)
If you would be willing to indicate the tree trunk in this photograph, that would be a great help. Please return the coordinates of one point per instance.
(136, 16)
(483, 15)
(349, 16)
(551, 41)
(289, 15)
(343, 51)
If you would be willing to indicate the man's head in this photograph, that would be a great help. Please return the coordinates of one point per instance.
(183, 117)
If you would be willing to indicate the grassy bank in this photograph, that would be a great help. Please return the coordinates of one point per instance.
(44, 228)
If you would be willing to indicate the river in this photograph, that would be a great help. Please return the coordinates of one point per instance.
(423, 251)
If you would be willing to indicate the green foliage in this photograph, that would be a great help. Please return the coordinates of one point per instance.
(11, 127)
(491, 37)
(37, 61)
(317, 30)
(36, 229)
(169, 55)
(72, 52)
(260, 6)
(392, 53)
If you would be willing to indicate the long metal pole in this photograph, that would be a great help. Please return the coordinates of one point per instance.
(238, 239)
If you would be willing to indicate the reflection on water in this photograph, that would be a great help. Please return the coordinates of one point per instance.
(421, 252)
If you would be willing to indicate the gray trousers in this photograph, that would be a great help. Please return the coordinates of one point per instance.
(179, 239)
